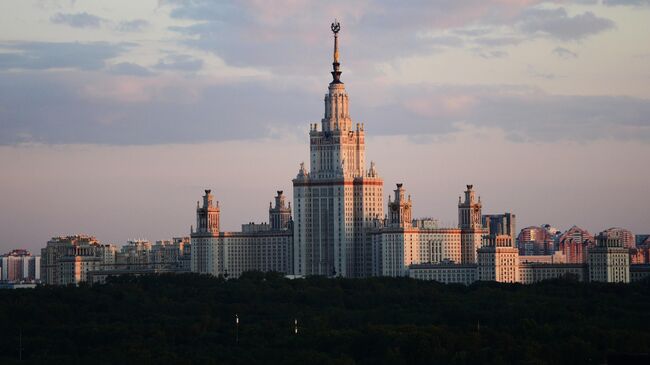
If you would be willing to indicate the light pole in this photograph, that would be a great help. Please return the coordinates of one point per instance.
(236, 328)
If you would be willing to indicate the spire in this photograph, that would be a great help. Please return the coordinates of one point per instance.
(336, 74)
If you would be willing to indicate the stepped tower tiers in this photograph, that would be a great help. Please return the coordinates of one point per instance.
(207, 216)
(471, 225)
(205, 237)
(337, 198)
(280, 214)
(400, 209)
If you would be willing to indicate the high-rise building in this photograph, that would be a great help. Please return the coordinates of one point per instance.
(609, 261)
(574, 243)
(498, 260)
(205, 239)
(626, 236)
(535, 240)
(19, 265)
(500, 224)
(469, 221)
(68, 259)
(337, 198)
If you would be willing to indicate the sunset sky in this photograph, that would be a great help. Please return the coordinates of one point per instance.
(115, 115)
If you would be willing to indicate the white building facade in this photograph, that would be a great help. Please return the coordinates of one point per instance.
(337, 198)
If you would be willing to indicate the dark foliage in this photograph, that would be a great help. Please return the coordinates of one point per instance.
(190, 318)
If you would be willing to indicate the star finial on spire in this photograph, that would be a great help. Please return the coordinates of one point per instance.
(336, 74)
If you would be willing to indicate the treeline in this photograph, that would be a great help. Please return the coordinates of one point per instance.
(189, 318)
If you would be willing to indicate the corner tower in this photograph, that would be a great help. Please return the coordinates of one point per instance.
(206, 254)
(280, 214)
(337, 197)
(470, 223)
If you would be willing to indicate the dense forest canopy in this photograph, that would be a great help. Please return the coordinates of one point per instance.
(190, 318)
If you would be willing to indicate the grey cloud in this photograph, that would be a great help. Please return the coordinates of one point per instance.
(525, 114)
(532, 71)
(489, 54)
(473, 32)
(238, 33)
(564, 53)
(129, 69)
(498, 41)
(77, 20)
(180, 63)
(46, 55)
(627, 2)
(57, 113)
(132, 25)
(558, 24)
(48, 108)
(444, 40)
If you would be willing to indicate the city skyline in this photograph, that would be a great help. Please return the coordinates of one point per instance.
(57, 185)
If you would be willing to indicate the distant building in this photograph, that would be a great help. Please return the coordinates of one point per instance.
(339, 196)
(68, 259)
(444, 272)
(639, 272)
(640, 255)
(498, 260)
(535, 240)
(19, 265)
(81, 258)
(470, 222)
(642, 239)
(609, 261)
(261, 247)
(626, 237)
(574, 243)
(533, 272)
(401, 241)
(500, 224)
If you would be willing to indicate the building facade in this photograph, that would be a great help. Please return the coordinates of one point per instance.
(498, 260)
(471, 225)
(259, 247)
(400, 241)
(609, 261)
(500, 224)
(444, 272)
(68, 259)
(337, 199)
(20, 265)
(574, 243)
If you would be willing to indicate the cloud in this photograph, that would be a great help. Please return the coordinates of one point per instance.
(532, 71)
(487, 54)
(626, 2)
(77, 20)
(564, 53)
(179, 63)
(90, 108)
(524, 114)
(136, 25)
(129, 69)
(265, 34)
(558, 24)
(47, 55)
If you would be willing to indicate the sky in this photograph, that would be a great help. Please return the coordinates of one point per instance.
(115, 115)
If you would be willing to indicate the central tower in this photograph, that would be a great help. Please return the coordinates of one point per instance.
(337, 198)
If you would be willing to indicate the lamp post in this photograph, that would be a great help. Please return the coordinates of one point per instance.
(236, 328)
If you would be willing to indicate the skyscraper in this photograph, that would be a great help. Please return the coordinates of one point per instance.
(338, 197)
